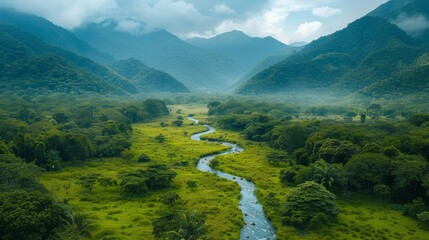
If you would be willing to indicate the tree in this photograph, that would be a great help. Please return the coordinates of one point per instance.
(159, 176)
(160, 138)
(133, 182)
(28, 215)
(325, 173)
(169, 198)
(143, 158)
(88, 181)
(179, 225)
(363, 118)
(177, 123)
(391, 151)
(171, 155)
(191, 185)
(366, 170)
(334, 150)
(305, 202)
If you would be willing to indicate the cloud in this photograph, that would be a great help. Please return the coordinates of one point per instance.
(67, 13)
(176, 16)
(223, 9)
(130, 26)
(413, 25)
(307, 29)
(325, 12)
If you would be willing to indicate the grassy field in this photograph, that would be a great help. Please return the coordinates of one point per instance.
(116, 217)
(361, 216)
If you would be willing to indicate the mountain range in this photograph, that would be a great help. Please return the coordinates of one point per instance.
(239, 47)
(31, 66)
(52, 34)
(382, 54)
(372, 56)
(195, 67)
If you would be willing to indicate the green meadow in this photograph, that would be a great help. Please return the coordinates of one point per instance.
(115, 216)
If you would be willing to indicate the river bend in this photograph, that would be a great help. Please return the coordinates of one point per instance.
(257, 226)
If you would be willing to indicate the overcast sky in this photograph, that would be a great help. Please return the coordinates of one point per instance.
(287, 20)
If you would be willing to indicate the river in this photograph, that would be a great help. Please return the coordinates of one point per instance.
(257, 226)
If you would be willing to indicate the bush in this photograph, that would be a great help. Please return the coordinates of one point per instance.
(309, 202)
(143, 158)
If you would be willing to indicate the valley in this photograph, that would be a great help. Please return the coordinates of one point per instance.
(206, 120)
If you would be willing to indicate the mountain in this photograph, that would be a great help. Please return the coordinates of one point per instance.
(147, 79)
(239, 47)
(298, 44)
(368, 50)
(29, 65)
(266, 63)
(410, 15)
(194, 67)
(51, 34)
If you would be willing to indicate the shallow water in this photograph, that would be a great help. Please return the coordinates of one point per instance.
(256, 225)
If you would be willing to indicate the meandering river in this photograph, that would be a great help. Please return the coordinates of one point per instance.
(256, 226)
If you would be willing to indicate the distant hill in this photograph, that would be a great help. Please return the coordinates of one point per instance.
(240, 47)
(194, 67)
(51, 34)
(29, 65)
(367, 51)
(266, 63)
(147, 79)
(410, 15)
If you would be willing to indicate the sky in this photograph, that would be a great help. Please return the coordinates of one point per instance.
(286, 20)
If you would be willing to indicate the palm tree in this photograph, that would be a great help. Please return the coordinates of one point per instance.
(325, 173)
(192, 227)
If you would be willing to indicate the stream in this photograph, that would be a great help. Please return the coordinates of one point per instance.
(257, 226)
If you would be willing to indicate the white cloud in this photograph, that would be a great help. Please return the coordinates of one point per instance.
(177, 16)
(307, 29)
(130, 26)
(223, 9)
(325, 12)
(66, 13)
(413, 25)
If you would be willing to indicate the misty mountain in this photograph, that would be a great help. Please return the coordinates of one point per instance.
(240, 47)
(410, 15)
(29, 65)
(147, 79)
(194, 67)
(368, 50)
(51, 34)
(266, 63)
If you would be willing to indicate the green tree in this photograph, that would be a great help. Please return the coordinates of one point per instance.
(179, 225)
(143, 158)
(169, 198)
(325, 173)
(177, 123)
(28, 215)
(191, 185)
(160, 138)
(88, 181)
(133, 182)
(366, 170)
(306, 201)
(423, 217)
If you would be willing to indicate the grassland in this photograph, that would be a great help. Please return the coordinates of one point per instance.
(116, 217)
(361, 216)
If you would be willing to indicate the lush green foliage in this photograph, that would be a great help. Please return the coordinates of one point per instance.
(309, 203)
(147, 79)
